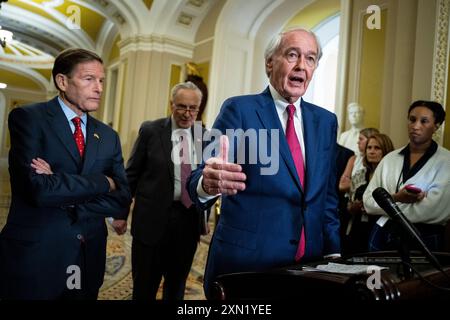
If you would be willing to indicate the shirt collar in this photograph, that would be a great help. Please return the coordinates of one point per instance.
(430, 151)
(70, 114)
(281, 103)
(408, 172)
(177, 129)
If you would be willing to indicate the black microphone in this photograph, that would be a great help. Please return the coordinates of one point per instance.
(386, 202)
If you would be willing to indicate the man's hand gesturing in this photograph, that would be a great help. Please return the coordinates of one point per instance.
(220, 176)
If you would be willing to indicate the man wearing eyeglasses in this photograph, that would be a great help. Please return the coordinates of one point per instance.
(165, 225)
(286, 217)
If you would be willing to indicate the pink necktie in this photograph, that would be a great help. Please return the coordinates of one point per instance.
(296, 151)
(185, 169)
(78, 135)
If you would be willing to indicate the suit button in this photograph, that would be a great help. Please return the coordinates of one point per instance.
(80, 237)
(292, 241)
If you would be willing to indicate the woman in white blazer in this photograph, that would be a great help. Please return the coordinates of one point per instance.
(423, 165)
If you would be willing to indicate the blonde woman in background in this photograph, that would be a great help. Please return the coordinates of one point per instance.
(360, 225)
(351, 179)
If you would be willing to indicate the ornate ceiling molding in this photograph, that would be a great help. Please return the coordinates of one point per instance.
(156, 43)
(24, 55)
(44, 83)
(36, 24)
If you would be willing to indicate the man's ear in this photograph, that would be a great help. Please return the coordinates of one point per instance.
(61, 81)
(269, 66)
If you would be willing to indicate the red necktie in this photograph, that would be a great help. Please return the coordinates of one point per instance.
(296, 151)
(185, 171)
(78, 135)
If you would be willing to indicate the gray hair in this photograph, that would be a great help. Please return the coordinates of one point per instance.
(185, 85)
(275, 44)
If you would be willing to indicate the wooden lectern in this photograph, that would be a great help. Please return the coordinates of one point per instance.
(306, 282)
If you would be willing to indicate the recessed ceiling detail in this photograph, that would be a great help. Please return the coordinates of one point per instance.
(196, 3)
(43, 28)
(24, 55)
(185, 19)
(103, 3)
(148, 3)
(119, 18)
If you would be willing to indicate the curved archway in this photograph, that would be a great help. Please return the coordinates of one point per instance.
(44, 84)
(322, 89)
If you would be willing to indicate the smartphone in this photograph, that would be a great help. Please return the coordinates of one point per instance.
(413, 189)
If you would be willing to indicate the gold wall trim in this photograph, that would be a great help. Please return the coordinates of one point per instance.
(440, 61)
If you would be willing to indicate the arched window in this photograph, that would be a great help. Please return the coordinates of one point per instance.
(322, 89)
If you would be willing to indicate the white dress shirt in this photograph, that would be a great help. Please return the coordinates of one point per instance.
(70, 114)
(280, 105)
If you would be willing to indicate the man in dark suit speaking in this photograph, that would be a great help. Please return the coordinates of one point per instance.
(67, 175)
(277, 215)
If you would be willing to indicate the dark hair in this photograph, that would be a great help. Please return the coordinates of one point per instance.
(436, 107)
(68, 59)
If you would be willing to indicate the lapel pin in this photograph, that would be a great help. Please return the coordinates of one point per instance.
(96, 136)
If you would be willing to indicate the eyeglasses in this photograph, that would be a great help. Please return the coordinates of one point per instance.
(294, 56)
(184, 108)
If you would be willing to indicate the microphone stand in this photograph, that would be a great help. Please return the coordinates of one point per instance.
(403, 249)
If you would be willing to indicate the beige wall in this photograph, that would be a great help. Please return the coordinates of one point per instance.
(203, 51)
(207, 28)
(385, 80)
(204, 39)
(423, 49)
(175, 77)
(371, 73)
(314, 13)
(147, 80)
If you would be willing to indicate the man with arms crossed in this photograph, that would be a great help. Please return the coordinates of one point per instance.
(67, 175)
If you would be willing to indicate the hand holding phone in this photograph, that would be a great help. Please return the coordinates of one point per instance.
(412, 189)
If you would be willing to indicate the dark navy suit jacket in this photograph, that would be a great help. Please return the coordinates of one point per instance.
(150, 172)
(54, 220)
(259, 228)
